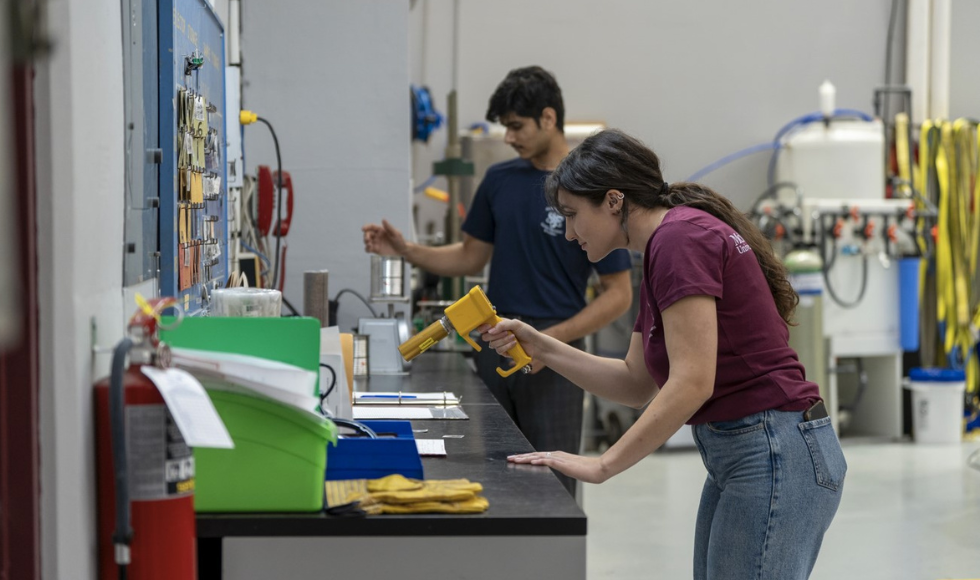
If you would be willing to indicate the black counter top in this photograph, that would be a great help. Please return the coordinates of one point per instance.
(524, 500)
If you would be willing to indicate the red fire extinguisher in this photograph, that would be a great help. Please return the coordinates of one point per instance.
(145, 470)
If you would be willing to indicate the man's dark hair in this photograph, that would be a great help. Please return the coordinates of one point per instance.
(526, 92)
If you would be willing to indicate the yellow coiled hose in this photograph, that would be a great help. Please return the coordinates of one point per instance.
(955, 163)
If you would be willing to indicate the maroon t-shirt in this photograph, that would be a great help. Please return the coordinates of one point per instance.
(694, 253)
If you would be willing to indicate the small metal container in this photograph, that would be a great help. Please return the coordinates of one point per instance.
(387, 277)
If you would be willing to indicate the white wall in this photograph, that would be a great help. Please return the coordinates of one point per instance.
(79, 106)
(332, 78)
(694, 80)
(964, 84)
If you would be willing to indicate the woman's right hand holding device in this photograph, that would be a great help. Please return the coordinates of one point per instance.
(508, 332)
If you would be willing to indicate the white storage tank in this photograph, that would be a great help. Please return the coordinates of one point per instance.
(842, 160)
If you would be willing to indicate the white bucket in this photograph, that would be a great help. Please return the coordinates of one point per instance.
(937, 405)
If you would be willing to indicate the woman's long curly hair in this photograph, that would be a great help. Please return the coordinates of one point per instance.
(612, 159)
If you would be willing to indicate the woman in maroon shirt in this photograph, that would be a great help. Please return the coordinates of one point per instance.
(709, 348)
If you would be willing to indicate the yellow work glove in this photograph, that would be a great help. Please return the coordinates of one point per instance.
(474, 505)
(395, 482)
(396, 494)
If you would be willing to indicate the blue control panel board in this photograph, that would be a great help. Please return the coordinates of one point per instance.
(193, 184)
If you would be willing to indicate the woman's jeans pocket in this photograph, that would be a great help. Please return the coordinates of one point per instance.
(746, 424)
(829, 465)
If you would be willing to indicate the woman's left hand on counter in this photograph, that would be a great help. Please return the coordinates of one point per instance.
(587, 469)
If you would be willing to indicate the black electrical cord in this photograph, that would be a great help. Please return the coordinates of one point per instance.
(860, 297)
(830, 289)
(275, 140)
(123, 534)
(290, 307)
(355, 293)
(829, 263)
(333, 383)
(356, 426)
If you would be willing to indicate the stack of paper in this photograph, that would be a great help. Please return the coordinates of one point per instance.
(363, 412)
(399, 405)
(431, 447)
(400, 398)
(251, 375)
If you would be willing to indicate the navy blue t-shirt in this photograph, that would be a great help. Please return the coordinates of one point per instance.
(534, 272)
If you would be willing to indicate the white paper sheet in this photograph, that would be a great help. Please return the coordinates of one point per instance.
(408, 412)
(331, 353)
(431, 447)
(190, 407)
(371, 412)
(280, 382)
(405, 398)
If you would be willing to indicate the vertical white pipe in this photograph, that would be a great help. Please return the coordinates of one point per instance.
(455, 66)
(828, 97)
(234, 33)
(917, 56)
(940, 53)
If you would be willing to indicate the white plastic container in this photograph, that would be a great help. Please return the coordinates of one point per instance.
(840, 161)
(937, 405)
(247, 302)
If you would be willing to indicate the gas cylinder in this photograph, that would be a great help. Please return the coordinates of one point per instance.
(805, 267)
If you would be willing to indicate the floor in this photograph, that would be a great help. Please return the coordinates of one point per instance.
(909, 512)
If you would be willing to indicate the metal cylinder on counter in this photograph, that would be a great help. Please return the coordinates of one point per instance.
(316, 301)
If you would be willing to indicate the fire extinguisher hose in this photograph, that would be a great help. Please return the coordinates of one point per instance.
(124, 532)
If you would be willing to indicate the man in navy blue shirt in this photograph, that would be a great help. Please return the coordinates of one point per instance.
(535, 273)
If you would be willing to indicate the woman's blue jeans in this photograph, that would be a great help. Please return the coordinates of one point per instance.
(773, 487)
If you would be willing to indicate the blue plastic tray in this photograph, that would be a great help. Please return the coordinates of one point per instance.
(362, 458)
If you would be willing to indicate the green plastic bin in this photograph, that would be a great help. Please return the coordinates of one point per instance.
(293, 340)
(278, 462)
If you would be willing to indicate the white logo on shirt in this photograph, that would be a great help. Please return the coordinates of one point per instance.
(740, 243)
(554, 223)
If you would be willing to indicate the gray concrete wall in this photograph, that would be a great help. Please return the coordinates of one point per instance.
(964, 82)
(694, 80)
(332, 78)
